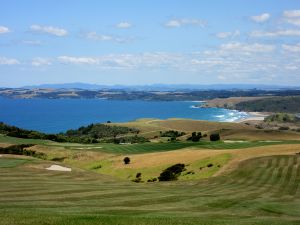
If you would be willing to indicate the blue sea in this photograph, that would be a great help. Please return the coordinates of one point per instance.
(58, 115)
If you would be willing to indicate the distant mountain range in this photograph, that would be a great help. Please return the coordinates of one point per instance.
(162, 87)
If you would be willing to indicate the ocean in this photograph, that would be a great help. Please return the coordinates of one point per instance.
(58, 115)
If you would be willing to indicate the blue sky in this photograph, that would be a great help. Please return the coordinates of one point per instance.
(146, 42)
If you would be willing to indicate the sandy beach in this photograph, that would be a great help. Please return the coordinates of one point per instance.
(254, 116)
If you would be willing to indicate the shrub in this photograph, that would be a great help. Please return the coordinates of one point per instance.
(190, 172)
(195, 137)
(138, 175)
(172, 172)
(283, 128)
(171, 134)
(214, 137)
(138, 178)
(21, 150)
(152, 180)
(210, 165)
(96, 167)
(126, 160)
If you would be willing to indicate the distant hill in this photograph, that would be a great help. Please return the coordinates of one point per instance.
(286, 104)
(162, 87)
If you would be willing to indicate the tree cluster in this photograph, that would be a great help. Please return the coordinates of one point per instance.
(172, 172)
(22, 150)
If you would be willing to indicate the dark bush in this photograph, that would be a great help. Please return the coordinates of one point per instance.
(190, 172)
(283, 128)
(171, 134)
(97, 167)
(138, 178)
(195, 137)
(138, 175)
(172, 172)
(21, 150)
(210, 165)
(126, 160)
(214, 137)
(152, 180)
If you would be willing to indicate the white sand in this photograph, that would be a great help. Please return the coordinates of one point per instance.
(88, 148)
(254, 116)
(59, 168)
(230, 141)
(0, 156)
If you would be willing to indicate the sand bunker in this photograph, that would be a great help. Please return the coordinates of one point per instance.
(59, 168)
(230, 141)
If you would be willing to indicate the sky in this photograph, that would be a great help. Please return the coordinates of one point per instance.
(138, 42)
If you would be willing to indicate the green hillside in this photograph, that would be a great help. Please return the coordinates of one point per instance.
(290, 104)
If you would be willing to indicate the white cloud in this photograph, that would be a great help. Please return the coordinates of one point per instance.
(247, 48)
(231, 61)
(292, 48)
(99, 37)
(126, 61)
(56, 31)
(276, 33)
(292, 17)
(124, 25)
(40, 62)
(104, 37)
(261, 18)
(291, 13)
(4, 30)
(224, 35)
(77, 60)
(32, 42)
(8, 61)
(183, 22)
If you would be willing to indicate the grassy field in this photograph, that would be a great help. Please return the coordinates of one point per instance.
(157, 147)
(260, 191)
(146, 147)
(254, 178)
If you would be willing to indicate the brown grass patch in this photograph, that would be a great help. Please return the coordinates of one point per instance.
(255, 134)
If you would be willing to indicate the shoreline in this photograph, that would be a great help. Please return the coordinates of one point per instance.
(253, 116)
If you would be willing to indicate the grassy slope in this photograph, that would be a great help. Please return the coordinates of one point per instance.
(260, 191)
(110, 156)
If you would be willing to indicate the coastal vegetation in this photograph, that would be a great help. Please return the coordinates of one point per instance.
(288, 104)
(282, 118)
(93, 133)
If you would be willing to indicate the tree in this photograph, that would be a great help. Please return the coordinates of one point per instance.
(126, 160)
(214, 137)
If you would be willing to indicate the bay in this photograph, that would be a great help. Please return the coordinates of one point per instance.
(58, 115)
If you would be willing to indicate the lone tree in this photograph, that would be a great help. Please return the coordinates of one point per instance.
(214, 137)
(126, 160)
